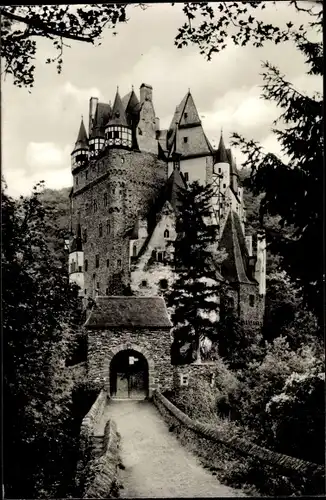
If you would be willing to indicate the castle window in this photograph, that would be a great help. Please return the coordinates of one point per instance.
(116, 134)
(80, 269)
(107, 262)
(185, 139)
(144, 283)
(98, 286)
(86, 265)
(97, 261)
(86, 174)
(186, 176)
(85, 291)
(186, 115)
(166, 233)
(107, 227)
(76, 180)
(119, 262)
(224, 185)
(105, 199)
(85, 235)
(95, 205)
(251, 300)
(219, 170)
(134, 251)
(164, 284)
(159, 256)
(100, 230)
(176, 164)
(107, 291)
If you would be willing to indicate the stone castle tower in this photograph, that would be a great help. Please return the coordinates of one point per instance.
(126, 174)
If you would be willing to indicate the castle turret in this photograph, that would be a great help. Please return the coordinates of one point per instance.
(221, 181)
(76, 260)
(118, 131)
(80, 152)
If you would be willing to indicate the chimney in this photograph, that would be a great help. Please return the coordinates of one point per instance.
(146, 92)
(92, 109)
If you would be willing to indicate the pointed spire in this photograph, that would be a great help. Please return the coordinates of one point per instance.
(82, 140)
(118, 113)
(221, 152)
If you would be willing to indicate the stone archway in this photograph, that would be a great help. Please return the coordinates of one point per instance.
(129, 375)
(135, 380)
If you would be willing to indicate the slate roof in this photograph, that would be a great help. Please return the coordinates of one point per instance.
(234, 268)
(102, 115)
(118, 116)
(221, 153)
(202, 146)
(131, 103)
(82, 139)
(128, 312)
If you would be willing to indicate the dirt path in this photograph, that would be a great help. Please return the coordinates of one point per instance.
(156, 464)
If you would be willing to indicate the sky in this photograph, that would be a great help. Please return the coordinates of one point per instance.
(39, 129)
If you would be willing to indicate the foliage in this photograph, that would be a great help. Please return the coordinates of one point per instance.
(298, 416)
(193, 295)
(210, 26)
(40, 311)
(237, 344)
(21, 25)
(285, 312)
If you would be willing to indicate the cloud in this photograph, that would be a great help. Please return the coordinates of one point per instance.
(45, 161)
(42, 156)
(79, 94)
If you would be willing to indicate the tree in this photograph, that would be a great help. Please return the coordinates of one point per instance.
(292, 187)
(210, 26)
(194, 294)
(40, 311)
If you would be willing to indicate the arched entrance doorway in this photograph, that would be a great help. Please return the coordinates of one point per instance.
(129, 375)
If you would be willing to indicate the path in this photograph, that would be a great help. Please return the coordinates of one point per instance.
(156, 464)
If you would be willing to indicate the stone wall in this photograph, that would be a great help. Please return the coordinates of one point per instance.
(101, 474)
(205, 370)
(154, 344)
(122, 184)
(89, 423)
(251, 316)
(238, 445)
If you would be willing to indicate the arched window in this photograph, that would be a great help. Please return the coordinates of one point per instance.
(166, 233)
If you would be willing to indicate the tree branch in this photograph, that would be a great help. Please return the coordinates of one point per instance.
(47, 29)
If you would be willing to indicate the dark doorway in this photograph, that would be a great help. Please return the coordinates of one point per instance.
(129, 375)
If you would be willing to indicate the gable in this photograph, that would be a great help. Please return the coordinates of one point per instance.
(189, 115)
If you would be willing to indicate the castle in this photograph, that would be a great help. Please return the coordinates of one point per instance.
(124, 203)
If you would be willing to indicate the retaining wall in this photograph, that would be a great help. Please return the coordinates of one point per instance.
(102, 472)
(238, 445)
